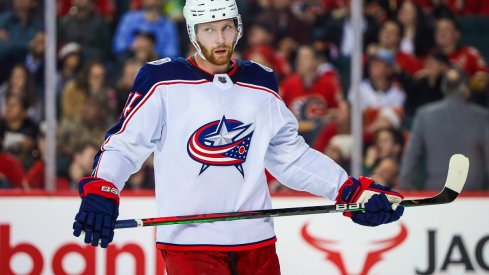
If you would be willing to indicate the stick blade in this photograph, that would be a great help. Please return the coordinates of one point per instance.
(458, 170)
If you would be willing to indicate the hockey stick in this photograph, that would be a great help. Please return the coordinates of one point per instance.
(457, 174)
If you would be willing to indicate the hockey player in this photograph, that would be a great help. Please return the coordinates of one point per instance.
(214, 124)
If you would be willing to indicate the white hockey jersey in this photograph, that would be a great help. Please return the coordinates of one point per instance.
(212, 138)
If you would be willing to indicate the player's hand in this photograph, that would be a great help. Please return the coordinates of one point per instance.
(98, 211)
(381, 203)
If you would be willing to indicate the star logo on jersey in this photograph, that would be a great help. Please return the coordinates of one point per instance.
(222, 142)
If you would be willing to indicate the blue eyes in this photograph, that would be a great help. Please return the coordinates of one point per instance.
(210, 30)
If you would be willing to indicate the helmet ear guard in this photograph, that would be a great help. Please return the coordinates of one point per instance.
(204, 11)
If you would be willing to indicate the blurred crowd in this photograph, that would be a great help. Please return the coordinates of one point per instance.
(415, 113)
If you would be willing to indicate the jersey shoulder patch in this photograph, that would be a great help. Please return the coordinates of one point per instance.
(168, 69)
(161, 71)
(256, 74)
(159, 61)
(268, 69)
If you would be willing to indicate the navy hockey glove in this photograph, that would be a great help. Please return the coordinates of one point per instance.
(98, 211)
(379, 201)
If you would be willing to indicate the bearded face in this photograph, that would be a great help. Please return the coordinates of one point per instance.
(220, 55)
(216, 40)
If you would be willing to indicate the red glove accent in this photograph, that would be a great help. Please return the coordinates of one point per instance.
(359, 191)
(98, 186)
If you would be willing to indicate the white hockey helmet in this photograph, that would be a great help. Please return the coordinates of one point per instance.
(203, 11)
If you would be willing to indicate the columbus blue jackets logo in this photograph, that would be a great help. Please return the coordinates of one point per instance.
(222, 142)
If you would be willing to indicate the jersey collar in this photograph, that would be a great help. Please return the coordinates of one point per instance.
(210, 76)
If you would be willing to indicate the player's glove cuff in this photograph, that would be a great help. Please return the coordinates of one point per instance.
(361, 190)
(98, 186)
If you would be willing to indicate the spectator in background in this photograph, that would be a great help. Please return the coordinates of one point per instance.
(443, 128)
(20, 83)
(447, 37)
(91, 81)
(20, 131)
(381, 97)
(85, 26)
(376, 119)
(69, 65)
(385, 171)
(323, 14)
(380, 10)
(314, 96)
(334, 5)
(388, 142)
(90, 126)
(34, 61)
(459, 8)
(379, 89)
(339, 149)
(338, 30)
(17, 27)
(417, 38)
(149, 19)
(289, 23)
(11, 170)
(82, 161)
(35, 177)
(143, 49)
(389, 40)
(426, 86)
(287, 26)
(107, 8)
(126, 79)
(261, 50)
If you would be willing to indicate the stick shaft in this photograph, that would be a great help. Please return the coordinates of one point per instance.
(447, 195)
(229, 216)
(457, 175)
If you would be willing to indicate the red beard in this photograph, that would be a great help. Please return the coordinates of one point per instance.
(216, 59)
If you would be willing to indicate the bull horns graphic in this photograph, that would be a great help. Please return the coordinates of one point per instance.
(336, 258)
